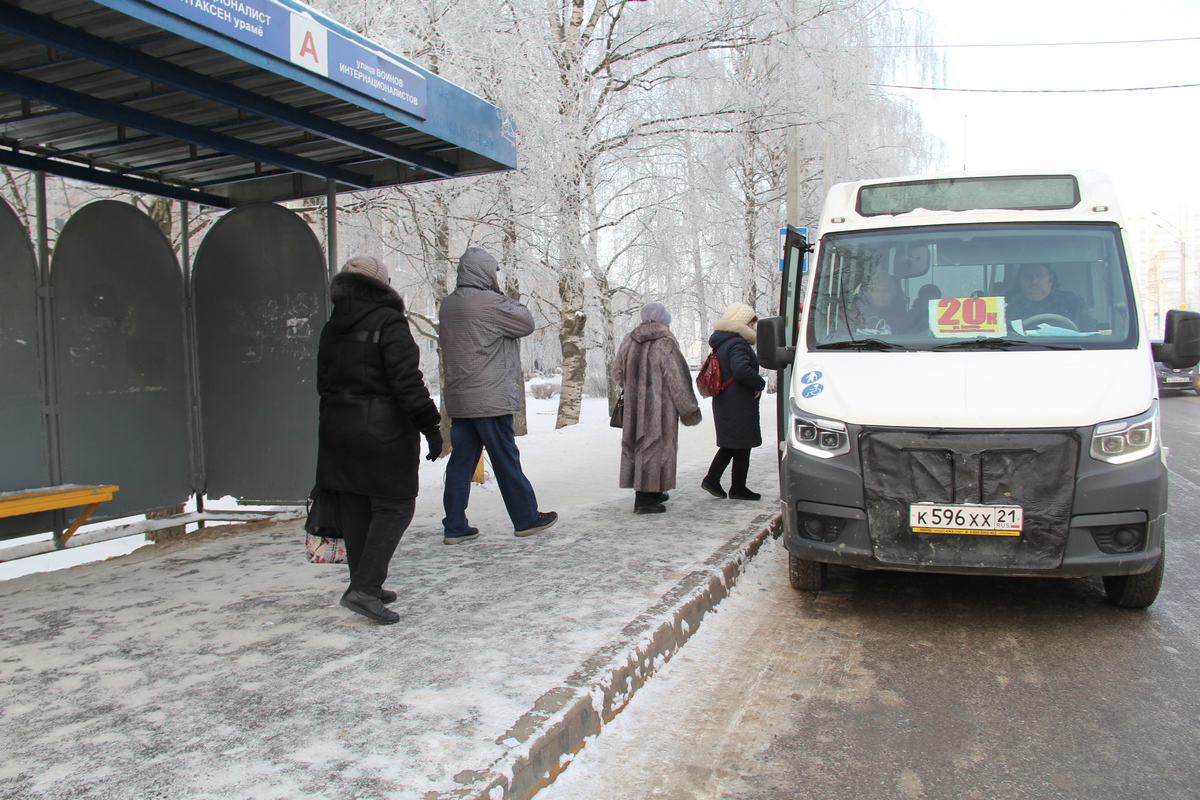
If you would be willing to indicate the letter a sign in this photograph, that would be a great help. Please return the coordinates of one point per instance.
(309, 44)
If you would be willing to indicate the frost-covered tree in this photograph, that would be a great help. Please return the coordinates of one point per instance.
(653, 141)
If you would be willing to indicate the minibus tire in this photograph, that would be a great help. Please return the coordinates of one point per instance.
(806, 575)
(1134, 591)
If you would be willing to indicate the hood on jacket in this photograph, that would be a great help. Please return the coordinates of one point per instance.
(729, 326)
(477, 269)
(355, 295)
(650, 330)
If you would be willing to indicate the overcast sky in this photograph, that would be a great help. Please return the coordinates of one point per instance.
(1147, 141)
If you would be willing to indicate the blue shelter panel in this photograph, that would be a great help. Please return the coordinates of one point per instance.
(24, 463)
(259, 289)
(250, 101)
(119, 316)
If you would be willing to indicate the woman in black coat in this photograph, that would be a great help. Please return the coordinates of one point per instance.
(735, 409)
(374, 408)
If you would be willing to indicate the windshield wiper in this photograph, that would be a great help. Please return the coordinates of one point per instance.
(861, 344)
(1001, 344)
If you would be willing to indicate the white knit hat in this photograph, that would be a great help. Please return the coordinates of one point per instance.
(739, 312)
(369, 266)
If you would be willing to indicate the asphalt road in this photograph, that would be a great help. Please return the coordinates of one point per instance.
(894, 685)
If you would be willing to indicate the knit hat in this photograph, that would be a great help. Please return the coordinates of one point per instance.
(739, 312)
(369, 266)
(656, 312)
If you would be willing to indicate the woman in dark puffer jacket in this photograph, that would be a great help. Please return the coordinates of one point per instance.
(374, 408)
(735, 410)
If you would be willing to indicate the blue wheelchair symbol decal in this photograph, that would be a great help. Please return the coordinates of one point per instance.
(810, 377)
(812, 390)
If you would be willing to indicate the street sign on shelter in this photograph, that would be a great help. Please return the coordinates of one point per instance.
(228, 102)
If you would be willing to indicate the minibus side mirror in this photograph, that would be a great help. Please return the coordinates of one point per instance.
(771, 353)
(1180, 348)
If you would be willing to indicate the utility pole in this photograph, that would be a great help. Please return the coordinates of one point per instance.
(1177, 235)
(1154, 288)
(793, 176)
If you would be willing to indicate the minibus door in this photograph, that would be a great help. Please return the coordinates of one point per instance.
(793, 264)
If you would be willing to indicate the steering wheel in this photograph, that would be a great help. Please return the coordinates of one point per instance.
(1057, 320)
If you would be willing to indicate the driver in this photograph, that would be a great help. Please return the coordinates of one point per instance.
(880, 308)
(1038, 296)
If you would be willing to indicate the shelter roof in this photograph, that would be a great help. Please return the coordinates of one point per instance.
(225, 102)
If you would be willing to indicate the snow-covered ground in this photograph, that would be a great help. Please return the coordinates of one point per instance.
(553, 459)
(665, 743)
(222, 667)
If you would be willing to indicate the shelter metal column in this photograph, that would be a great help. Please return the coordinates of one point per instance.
(331, 225)
(46, 334)
(195, 419)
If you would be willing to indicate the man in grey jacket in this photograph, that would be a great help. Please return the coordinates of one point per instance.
(480, 327)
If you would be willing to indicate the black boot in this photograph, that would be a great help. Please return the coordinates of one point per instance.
(647, 503)
(737, 481)
(369, 606)
(713, 487)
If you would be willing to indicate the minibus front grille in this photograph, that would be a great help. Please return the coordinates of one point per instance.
(1032, 469)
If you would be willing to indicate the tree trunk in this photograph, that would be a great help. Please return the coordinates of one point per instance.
(751, 221)
(441, 255)
(697, 263)
(609, 328)
(512, 288)
(573, 316)
(574, 351)
(701, 295)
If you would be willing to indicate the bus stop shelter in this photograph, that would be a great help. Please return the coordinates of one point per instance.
(128, 362)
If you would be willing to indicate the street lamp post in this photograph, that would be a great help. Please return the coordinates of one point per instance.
(1178, 236)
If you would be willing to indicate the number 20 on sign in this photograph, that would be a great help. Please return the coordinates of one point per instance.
(967, 316)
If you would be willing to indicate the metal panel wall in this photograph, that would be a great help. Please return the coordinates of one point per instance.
(259, 291)
(24, 458)
(118, 309)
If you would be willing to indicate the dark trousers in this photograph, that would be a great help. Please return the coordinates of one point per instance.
(372, 527)
(468, 438)
(741, 467)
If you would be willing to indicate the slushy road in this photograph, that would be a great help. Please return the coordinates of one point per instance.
(894, 685)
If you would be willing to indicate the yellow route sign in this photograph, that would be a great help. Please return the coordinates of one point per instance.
(967, 317)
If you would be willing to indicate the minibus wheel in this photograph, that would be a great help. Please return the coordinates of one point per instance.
(1135, 591)
(807, 575)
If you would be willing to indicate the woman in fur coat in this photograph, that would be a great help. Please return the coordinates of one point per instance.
(658, 394)
(735, 409)
(374, 409)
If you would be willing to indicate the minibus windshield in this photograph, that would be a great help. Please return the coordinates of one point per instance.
(988, 286)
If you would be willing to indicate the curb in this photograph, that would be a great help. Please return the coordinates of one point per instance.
(546, 737)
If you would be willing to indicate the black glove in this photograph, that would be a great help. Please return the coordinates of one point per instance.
(433, 437)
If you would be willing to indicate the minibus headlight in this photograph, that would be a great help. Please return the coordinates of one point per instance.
(1125, 440)
(823, 438)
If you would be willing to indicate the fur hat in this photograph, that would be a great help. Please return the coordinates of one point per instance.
(369, 266)
(739, 312)
(656, 312)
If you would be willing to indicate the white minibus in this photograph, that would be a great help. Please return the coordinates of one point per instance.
(967, 384)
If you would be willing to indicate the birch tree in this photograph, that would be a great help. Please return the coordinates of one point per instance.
(653, 145)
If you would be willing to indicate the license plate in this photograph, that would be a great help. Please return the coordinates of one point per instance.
(1178, 379)
(975, 520)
